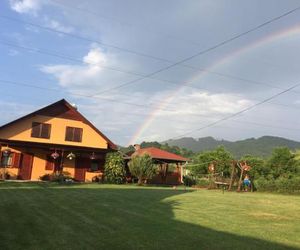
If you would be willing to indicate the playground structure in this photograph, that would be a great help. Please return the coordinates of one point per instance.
(243, 178)
(239, 173)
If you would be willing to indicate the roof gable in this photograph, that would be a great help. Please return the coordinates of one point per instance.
(157, 153)
(62, 109)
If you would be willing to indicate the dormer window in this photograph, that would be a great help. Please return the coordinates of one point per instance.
(41, 130)
(73, 134)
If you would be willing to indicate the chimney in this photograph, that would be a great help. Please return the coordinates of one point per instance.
(137, 146)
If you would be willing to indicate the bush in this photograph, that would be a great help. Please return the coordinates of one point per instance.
(114, 170)
(189, 181)
(282, 185)
(57, 177)
(202, 182)
(142, 167)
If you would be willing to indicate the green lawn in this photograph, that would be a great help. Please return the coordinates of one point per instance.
(93, 216)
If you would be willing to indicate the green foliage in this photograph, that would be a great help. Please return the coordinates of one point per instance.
(257, 164)
(282, 163)
(189, 181)
(142, 167)
(281, 184)
(114, 170)
(56, 177)
(202, 182)
(262, 146)
(220, 156)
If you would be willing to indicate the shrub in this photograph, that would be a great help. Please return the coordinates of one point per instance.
(114, 170)
(202, 182)
(142, 167)
(56, 177)
(282, 185)
(189, 180)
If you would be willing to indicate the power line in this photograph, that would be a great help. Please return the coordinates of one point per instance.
(240, 112)
(101, 16)
(78, 37)
(128, 103)
(188, 122)
(76, 94)
(186, 84)
(113, 100)
(213, 47)
(150, 56)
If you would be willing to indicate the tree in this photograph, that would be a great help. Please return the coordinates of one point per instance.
(257, 164)
(142, 167)
(220, 156)
(114, 168)
(282, 163)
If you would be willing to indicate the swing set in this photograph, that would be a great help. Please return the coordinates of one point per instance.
(239, 174)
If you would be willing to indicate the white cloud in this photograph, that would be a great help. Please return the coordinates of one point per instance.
(95, 73)
(25, 6)
(95, 56)
(56, 25)
(88, 73)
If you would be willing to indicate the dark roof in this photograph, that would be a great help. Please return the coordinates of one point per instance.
(159, 154)
(62, 109)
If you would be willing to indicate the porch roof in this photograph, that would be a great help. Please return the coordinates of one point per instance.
(158, 154)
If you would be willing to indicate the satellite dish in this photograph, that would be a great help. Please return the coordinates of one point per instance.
(74, 106)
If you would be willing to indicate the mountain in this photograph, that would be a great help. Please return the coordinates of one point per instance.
(262, 146)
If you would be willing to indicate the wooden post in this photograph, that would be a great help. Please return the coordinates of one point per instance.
(232, 176)
(240, 180)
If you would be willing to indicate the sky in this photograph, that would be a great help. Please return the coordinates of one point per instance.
(103, 55)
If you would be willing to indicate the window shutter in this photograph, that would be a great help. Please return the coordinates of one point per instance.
(77, 134)
(35, 131)
(16, 160)
(73, 134)
(1, 159)
(69, 134)
(45, 133)
(49, 163)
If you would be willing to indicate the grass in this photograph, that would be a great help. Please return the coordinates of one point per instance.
(93, 216)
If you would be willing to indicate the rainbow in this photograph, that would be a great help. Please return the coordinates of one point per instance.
(273, 37)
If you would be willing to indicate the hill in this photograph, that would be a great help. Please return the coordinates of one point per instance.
(262, 146)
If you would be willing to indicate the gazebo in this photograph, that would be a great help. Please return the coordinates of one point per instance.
(170, 165)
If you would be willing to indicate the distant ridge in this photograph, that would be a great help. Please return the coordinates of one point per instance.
(262, 146)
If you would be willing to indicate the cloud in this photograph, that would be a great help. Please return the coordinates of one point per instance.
(56, 25)
(25, 6)
(95, 73)
(89, 73)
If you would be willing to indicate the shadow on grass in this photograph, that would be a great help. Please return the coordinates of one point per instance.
(49, 216)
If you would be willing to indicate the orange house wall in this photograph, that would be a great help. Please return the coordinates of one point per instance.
(39, 164)
(21, 131)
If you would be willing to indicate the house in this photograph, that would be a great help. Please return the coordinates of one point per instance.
(170, 166)
(56, 138)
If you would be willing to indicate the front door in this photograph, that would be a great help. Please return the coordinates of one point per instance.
(26, 167)
(81, 165)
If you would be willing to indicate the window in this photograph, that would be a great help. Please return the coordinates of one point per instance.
(6, 160)
(73, 134)
(40, 130)
(12, 160)
(94, 166)
(97, 165)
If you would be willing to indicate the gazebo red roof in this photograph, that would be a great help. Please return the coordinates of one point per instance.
(159, 154)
